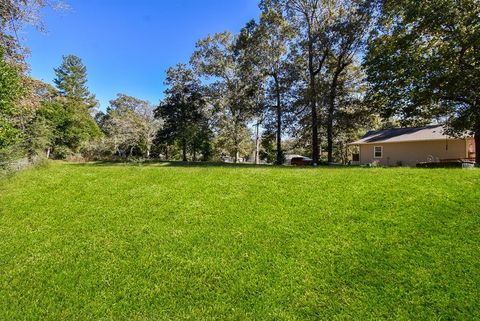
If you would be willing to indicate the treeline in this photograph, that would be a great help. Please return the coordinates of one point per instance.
(292, 81)
(306, 78)
(40, 120)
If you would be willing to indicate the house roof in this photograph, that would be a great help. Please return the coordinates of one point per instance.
(396, 135)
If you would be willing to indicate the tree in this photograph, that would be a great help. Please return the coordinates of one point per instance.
(425, 63)
(72, 127)
(232, 88)
(14, 15)
(24, 129)
(35, 118)
(272, 48)
(130, 125)
(352, 117)
(71, 81)
(269, 150)
(10, 92)
(235, 142)
(39, 137)
(69, 112)
(248, 51)
(348, 35)
(184, 113)
(311, 22)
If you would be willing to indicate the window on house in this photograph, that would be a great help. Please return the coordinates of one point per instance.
(378, 152)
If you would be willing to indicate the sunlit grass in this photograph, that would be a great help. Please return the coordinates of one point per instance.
(169, 242)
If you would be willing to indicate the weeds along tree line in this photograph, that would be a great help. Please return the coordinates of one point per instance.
(307, 77)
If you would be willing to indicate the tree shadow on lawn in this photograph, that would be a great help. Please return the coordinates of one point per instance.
(180, 164)
(187, 164)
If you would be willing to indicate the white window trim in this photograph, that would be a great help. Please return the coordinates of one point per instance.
(375, 152)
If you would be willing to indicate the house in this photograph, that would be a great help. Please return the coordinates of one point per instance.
(411, 146)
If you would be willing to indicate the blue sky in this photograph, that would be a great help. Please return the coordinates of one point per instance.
(128, 44)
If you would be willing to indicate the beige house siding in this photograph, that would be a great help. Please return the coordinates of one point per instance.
(412, 153)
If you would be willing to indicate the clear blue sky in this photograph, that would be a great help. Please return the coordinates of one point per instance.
(128, 44)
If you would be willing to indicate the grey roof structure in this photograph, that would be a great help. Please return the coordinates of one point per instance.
(397, 135)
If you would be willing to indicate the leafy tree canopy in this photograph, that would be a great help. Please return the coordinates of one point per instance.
(184, 113)
(425, 61)
(10, 92)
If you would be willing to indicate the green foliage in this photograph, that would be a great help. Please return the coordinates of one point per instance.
(80, 128)
(234, 139)
(323, 38)
(233, 89)
(62, 122)
(425, 62)
(10, 92)
(205, 242)
(71, 81)
(33, 119)
(10, 86)
(38, 136)
(61, 152)
(268, 51)
(72, 126)
(130, 126)
(8, 136)
(184, 113)
(268, 152)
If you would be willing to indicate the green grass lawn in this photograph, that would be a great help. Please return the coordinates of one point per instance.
(167, 242)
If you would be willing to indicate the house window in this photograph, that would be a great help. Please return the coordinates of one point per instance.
(378, 152)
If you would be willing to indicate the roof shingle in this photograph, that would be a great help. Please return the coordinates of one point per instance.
(395, 135)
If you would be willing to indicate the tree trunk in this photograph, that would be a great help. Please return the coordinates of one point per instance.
(48, 152)
(477, 146)
(257, 143)
(313, 95)
(235, 141)
(313, 107)
(279, 160)
(331, 111)
(184, 150)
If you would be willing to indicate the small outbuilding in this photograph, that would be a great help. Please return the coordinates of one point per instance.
(412, 146)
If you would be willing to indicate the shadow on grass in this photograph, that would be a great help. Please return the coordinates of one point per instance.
(184, 164)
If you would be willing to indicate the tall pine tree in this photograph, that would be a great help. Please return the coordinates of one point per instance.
(71, 81)
(78, 126)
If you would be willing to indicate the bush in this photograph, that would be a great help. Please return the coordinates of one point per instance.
(61, 152)
(77, 158)
(97, 150)
(16, 165)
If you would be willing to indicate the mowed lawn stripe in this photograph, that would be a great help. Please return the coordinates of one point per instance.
(168, 241)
